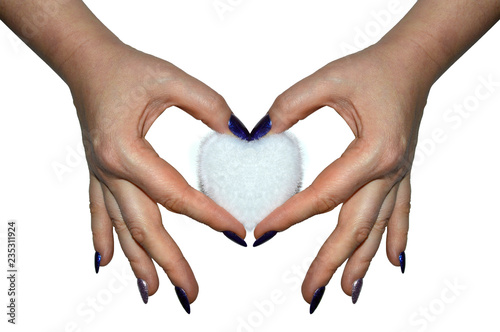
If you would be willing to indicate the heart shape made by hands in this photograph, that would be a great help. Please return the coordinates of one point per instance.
(250, 178)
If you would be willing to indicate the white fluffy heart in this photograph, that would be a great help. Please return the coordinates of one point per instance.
(250, 179)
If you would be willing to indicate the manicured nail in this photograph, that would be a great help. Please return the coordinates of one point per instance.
(143, 289)
(235, 238)
(181, 295)
(356, 289)
(402, 261)
(238, 128)
(97, 261)
(318, 295)
(264, 238)
(261, 128)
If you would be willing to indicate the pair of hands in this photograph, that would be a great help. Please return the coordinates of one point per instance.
(119, 99)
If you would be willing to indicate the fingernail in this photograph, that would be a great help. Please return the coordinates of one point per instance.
(97, 261)
(238, 128)
(356, 289)
(181, 295)
(264, 238)
(402, 261)
(318, 295)
(143, 289)
(235, 238)
(261, 128)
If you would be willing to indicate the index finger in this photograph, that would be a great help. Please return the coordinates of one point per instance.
(165, 185)
(339, 181)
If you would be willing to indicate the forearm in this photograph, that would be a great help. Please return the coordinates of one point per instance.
(438, 32)
(55, 29)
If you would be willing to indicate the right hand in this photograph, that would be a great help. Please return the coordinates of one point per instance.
(118, 97)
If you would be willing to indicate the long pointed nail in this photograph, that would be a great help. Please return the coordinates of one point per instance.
(181, 295)
(261, 128)
(356, 289)
(318, 295)
(402, 261)
(264, 238)
(238, 128)
(97, 261)
(235, 238)
(143, 289)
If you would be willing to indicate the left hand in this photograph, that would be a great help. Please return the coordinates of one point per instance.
(382, 101)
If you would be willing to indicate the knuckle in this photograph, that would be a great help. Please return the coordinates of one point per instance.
(380, 225)
(175, 263)
(139, 232)
(363, 261)
(107, 156)
(404, 207)
(393, 159)
(95, 208)
(175, 202)
(282, 108)
(113, 154)
(216, 102)
(135, 261)
(361, 233)
(323, 202)
(322, 264)
(281, 103)
(119, 225)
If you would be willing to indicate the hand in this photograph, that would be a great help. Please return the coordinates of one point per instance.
(118, 97)
(382, 99)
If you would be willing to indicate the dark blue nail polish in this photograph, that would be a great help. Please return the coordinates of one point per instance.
(97, 261)
(318, 295)
(356, 289)
(181, 295)
(261, 128)
(238, 128)
(235, 238)
(402, 261)
(264, 238)
(143, 289)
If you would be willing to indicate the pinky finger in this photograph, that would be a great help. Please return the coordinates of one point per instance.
(102, 227)
(397, 228)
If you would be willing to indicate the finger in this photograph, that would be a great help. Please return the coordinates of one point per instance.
(397, 228)
(333, 186)
(202, 103)
(143, 220)
(102, 227)
(141, 263)
(360, 260)
(160, 181)
(356, 220)
(298, 102)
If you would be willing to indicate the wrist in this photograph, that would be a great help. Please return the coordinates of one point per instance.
(408, 57)
(91, 55)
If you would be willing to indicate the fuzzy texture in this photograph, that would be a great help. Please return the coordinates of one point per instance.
(250, 179)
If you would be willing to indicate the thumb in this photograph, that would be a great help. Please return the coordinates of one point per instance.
(203, 103)
(298, 102)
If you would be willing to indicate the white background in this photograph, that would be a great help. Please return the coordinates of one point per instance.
(251, 54)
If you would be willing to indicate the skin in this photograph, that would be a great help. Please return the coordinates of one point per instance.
(118, 93)
(380, 92)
